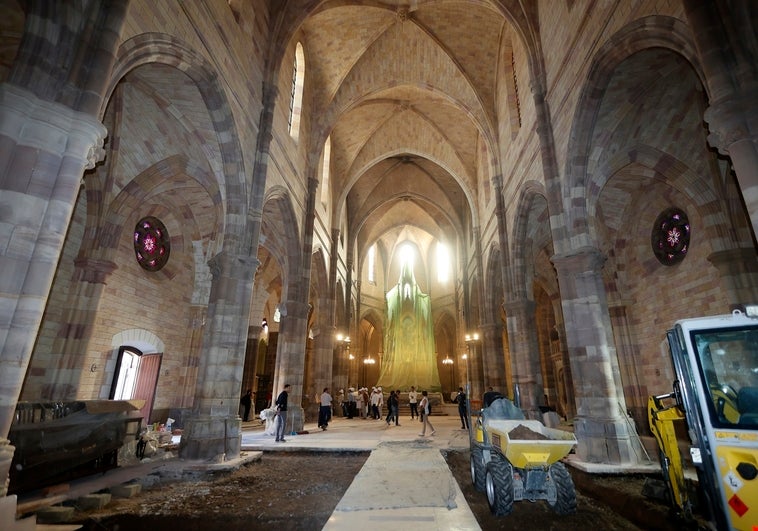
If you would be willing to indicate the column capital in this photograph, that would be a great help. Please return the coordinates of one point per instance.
(582, 260)
(732, 120)
(297, 309)
(93, 270)
(228, 264)
(50, 127)
(514, 306)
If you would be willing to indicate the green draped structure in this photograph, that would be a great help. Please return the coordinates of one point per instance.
(409, 353)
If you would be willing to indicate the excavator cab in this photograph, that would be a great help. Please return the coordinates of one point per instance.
(716, 392)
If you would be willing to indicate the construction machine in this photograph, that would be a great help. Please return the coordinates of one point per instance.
(716, 393)
(515, 459)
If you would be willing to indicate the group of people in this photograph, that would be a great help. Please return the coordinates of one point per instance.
(359, 402)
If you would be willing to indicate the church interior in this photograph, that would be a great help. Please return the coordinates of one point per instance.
(198, 198)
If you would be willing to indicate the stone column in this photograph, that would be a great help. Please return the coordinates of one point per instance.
(603, 433)
(492, 357)
(290, 368)
(70, 345)
(213, 430)
(738, 269)
(525, 355)
(725, 41)
(251, 357)
(198, 315)
(45, 149)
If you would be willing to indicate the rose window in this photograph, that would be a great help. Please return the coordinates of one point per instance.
(671, 236)
(151, 244)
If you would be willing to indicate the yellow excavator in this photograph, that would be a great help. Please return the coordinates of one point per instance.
(716, 394)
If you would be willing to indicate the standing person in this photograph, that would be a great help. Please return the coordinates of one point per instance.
(413, 401)
(460, 399)
(425, 414)
(281, 413)
(246, 402)
(393, 403)
(359, 401)
(490, 396)
(350, 402)
(325, 409)
(366, 407)
(342, 403)
(379, 402)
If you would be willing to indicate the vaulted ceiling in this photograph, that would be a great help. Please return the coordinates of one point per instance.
(407, 91)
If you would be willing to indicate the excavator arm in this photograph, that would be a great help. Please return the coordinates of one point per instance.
(662, 418)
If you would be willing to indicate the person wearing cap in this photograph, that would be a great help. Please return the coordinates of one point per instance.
(376, 403)
(351, 402)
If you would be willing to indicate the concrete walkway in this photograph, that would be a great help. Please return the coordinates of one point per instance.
(380, 496)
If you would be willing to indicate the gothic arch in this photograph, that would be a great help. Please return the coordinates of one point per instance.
(281, 241)
(570, 217)
(165, 49)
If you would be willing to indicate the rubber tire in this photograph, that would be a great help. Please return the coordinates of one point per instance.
(499, 486)
(478, 470)
(565, 502)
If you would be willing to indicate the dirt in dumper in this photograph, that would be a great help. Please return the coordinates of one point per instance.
(523, 433)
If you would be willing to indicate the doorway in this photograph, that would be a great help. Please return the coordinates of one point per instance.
(136, 377)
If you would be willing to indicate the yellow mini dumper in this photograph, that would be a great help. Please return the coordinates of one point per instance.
(513, 459)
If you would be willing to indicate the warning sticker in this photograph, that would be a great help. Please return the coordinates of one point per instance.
(733, 481)
(737, 505)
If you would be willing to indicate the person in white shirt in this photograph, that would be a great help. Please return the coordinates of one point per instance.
(413, 401)
(425, 414)
(325, 409)
(376, 403)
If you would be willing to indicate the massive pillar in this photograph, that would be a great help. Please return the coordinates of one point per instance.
(75, 331)
(45, 148)
(214, 427)
(290, 368)
(601, 426)
(726, 44)
(739, 274)
(493, 359)
(525, 355)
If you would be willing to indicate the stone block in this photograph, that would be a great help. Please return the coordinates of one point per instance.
(93, 501)
(54, 514)
(127, 490)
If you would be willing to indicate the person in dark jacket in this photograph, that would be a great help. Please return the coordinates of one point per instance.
(281, 413)
(247, 402)
(460, 399)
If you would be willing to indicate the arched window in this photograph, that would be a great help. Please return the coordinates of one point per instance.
(296, 99)
(371, 267)
(443, 262)
(325, 171)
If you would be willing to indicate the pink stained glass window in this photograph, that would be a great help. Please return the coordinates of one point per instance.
(670, 237)
(151, 243)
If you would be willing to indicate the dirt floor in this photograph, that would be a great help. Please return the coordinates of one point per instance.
(298, 491)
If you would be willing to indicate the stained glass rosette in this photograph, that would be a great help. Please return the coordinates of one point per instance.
(151, 244)
(670, 237)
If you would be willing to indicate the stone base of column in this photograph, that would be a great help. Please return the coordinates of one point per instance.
(211, 438)
(604, 441)
(295, 419)
(6, 456)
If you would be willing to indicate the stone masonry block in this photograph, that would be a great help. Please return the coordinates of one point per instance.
(127, 490)
(93, 501)
(54, 514)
